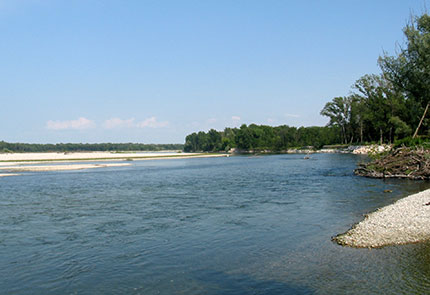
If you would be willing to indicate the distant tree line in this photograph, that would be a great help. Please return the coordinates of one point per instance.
(81, 147)
(261, 137)
(381, 108)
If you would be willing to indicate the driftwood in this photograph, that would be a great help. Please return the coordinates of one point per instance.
(399, 163)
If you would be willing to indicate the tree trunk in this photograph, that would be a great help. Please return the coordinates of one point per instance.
(421, 121)
(391, 134)
(344, 135)
(361, 132)
(380, 132)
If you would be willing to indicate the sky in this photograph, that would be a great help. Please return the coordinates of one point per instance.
(155, 71)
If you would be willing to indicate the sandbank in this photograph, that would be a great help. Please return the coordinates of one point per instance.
(8, 174)
(60, 167)
(404, 222)
(14, 158)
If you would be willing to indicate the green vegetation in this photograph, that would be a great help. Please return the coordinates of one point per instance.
(261, 138)
(85, 147)
(391, 105)
(382, 108)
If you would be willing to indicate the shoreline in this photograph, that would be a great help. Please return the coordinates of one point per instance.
(406, 221)
(24, 162)
(8, 174)
(33, 168)
(347, 149)
(92, 156)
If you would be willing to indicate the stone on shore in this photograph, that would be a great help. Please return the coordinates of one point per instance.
(404, 222)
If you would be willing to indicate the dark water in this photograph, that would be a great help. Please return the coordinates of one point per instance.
(238, 225)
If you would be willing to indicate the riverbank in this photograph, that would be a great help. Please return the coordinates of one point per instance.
(332, 149)
(8, 174)
(96, 156)
(24, 162)
(404, 162)
(404, 222)
(33, 168)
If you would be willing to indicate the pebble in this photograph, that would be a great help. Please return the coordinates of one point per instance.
(404, 222)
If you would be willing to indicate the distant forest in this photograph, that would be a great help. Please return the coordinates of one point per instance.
(80, 147)
(381, 108)
(261, 137)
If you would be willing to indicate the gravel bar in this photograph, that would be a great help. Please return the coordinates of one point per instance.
(61, 167)
(404, 222)
(8, 174)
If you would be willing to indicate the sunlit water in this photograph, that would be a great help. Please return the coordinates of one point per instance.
(238, 225)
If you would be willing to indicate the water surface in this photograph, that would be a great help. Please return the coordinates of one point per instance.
(238, 225)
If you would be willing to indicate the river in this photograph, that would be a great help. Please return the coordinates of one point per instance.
(237, 225)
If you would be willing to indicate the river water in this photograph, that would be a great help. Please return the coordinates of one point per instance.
(237, 225)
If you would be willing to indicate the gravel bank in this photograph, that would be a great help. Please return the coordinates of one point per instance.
(33, 158)
(59, 167)
(8, 174)
(404, 222)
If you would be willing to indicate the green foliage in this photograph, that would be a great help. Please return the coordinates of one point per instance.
(409, 71)
(5, 151)
(401, 129)
(413, 142)
(261, 138)
(389, 106)
(82, 147)
(340, 111)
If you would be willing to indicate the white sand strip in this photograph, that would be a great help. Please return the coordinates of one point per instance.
(60, 167)
(82, 155)
(8, 174)
(15, 158)
(404, 222)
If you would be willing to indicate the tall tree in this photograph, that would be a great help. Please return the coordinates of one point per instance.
(339, 110)
(379, 101)
(410, 69)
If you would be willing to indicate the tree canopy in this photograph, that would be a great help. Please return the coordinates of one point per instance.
(261, 138)
(409, 71)
(74, 147)
(380, 108)
(390, 105)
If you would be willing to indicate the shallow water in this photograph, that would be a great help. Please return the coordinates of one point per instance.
(238, 225)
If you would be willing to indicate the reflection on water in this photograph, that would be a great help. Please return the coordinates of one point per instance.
(238, 225)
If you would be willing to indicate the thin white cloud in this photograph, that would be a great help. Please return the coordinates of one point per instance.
(292, 115)
(79, 124)
(152, 123)
(211, 120)
(235, 118)
(119, 123)
(270, 120)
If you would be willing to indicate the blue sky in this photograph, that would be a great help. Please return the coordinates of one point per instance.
(155, 71)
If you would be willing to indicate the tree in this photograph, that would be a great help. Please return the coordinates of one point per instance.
(378, 102)
(410, 69)
(214, 141)
(191, 143)
(244, 138)
(339, 110)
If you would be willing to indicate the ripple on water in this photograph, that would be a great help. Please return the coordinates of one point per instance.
(235, 225)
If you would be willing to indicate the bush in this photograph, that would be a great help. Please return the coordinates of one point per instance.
(413, 142)
(6, 151)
